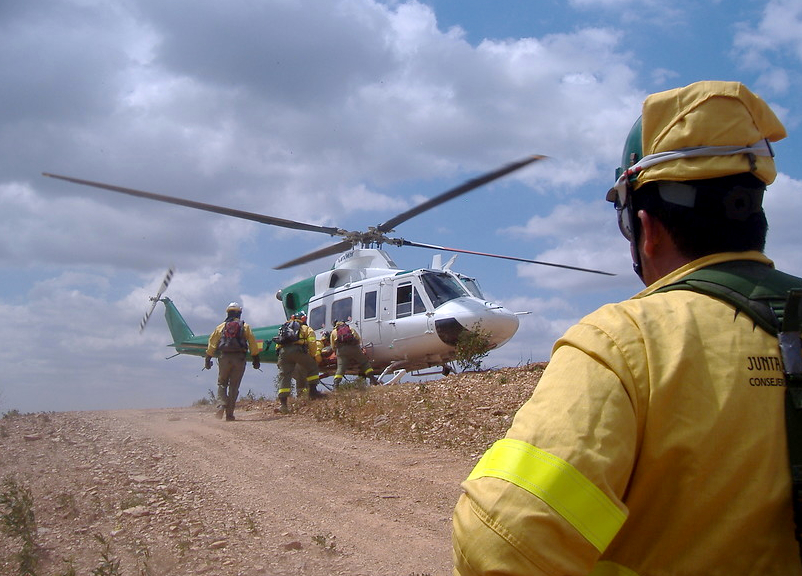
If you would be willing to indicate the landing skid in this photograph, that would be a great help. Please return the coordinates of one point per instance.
(395, 368)
(399, 373)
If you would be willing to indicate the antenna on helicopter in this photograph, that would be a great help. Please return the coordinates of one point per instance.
(155, 299)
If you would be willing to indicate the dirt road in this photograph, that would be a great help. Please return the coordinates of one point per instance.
(176, 491)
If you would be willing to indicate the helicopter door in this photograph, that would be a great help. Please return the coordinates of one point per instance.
(386, 313)
(404, 314)
(360, 306)
(370, 317)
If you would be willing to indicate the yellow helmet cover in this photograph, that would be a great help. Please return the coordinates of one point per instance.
(708, 113)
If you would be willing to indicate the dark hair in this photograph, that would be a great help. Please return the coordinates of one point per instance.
(726, 217)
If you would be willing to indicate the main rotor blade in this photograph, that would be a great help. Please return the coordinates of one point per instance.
(261, 218)
(528, 261)
(458, 191)
(328, 251)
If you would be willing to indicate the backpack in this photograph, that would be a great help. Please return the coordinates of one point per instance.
(345, 335)
(232, 338)
(773, 300)
(289, 332)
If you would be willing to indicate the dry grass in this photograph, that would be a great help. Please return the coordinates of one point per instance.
(465, 412)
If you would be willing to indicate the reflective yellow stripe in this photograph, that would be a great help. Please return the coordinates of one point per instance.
(284, 390)
(558, 484)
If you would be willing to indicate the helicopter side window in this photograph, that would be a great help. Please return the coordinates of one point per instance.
(441, 287)
(408, 301)
(342, 309)
(317, 317)
(403, 301)
(370, 305)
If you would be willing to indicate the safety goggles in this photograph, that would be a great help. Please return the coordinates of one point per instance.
(621, 192)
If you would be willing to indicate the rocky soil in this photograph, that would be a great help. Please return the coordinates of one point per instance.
(360, 483)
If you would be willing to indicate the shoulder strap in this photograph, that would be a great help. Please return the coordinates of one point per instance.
(751, 287)
(791, 354)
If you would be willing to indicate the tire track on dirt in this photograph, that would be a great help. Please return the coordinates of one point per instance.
(379, 507)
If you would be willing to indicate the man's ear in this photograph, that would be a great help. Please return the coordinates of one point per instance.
(652, 233)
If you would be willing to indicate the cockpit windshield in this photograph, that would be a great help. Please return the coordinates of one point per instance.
(442, 287)
(472, 285)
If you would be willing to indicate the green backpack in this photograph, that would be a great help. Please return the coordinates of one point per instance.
(773, 300)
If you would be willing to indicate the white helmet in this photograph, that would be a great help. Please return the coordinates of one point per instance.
(234, 307)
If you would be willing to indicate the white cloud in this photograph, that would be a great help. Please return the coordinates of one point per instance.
(581, 234)
(547, 320)
(773, 45)
(783, 206)
(336, 113)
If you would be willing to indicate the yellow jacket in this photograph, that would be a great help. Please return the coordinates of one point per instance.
(214, 340)
(306, 337)
(357, 339)
(653, 444)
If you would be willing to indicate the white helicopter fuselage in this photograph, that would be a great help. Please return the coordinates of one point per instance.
(407, 319)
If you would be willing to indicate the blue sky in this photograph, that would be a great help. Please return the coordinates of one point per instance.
(340, 113)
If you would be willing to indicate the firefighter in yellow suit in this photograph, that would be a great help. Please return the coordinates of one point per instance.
(350, 352)
(655, 440)
(304, 354)
(231, 359)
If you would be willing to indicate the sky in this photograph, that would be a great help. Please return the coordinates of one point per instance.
(338, 113)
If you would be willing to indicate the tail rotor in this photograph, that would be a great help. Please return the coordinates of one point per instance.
(155, 299)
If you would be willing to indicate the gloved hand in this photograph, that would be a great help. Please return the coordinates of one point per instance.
(256, 363)
(207, 362)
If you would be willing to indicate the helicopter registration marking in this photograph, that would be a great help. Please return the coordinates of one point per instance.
(344, 257)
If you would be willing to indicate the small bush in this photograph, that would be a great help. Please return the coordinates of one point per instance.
(326, 541)
(108, 565)
(209, 400)
(472, 347)
(17, 520)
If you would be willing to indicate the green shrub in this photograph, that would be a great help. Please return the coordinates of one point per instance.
(472, 347)
(17, 520)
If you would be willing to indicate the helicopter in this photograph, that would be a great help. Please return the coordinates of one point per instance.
(409, 320)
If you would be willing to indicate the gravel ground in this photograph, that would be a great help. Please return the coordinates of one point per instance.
(360, 483)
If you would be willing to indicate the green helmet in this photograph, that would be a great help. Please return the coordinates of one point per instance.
(621, 192)
(633, 149)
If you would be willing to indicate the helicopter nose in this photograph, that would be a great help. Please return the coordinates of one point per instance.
(457, 316)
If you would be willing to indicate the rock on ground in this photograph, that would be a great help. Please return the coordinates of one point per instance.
(360, 484)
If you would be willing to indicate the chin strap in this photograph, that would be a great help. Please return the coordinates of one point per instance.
(637, 265)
